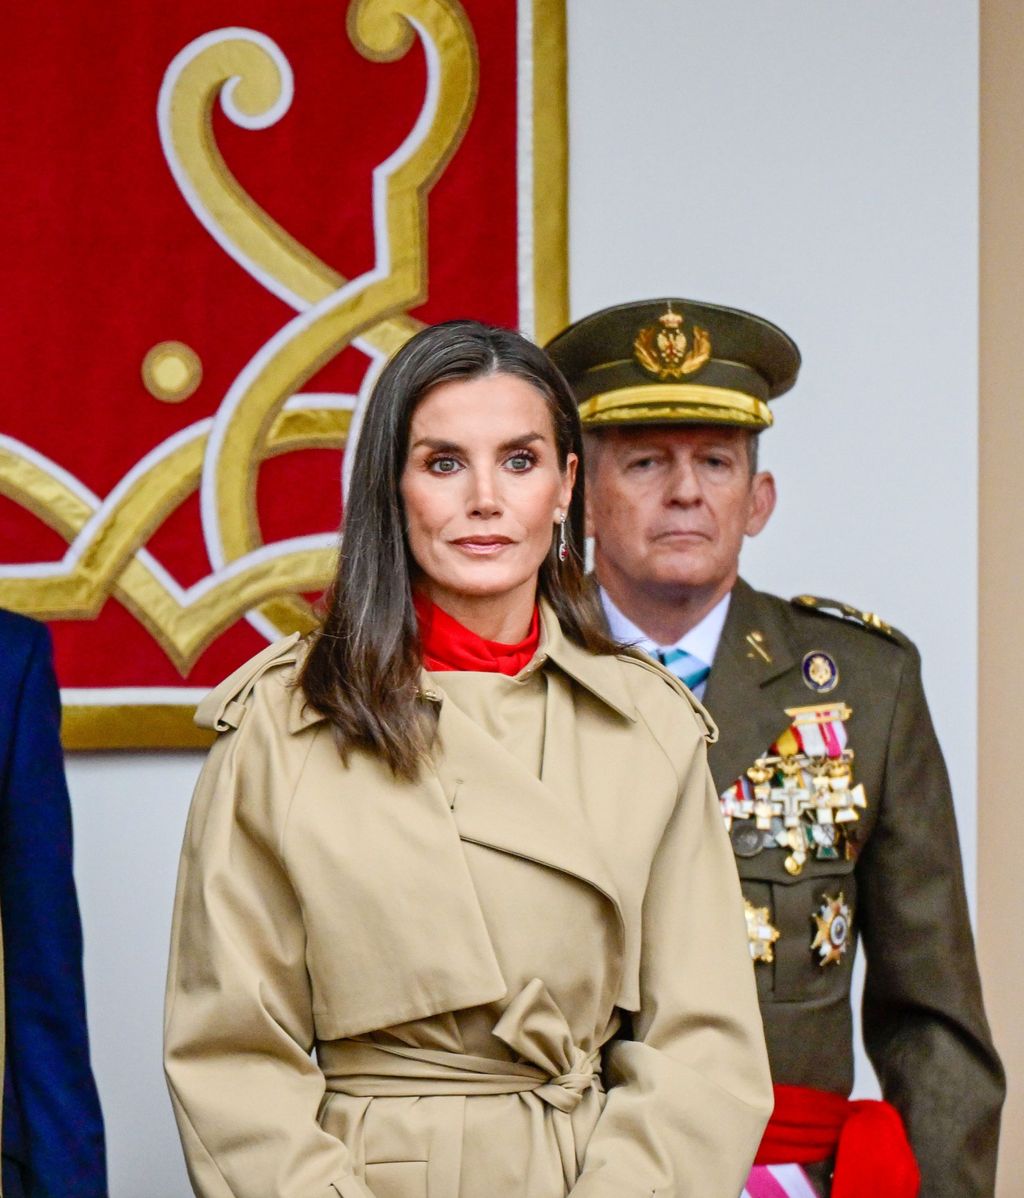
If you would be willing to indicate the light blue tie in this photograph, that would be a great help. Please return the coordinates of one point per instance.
(690, 670)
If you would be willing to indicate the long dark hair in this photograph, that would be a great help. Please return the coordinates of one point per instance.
(362, 670)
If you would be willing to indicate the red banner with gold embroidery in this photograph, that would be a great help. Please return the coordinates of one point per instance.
(221, 219)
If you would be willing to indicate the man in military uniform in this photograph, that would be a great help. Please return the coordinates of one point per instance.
(830, 777)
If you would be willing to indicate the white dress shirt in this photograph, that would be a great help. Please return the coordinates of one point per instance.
(701, 641)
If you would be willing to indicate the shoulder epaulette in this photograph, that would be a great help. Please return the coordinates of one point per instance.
(224, 706)
(846, 611)
(636, 658)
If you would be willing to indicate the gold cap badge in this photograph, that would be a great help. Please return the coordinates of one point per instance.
(664, 350)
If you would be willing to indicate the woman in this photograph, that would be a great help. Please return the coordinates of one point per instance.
(462, 887)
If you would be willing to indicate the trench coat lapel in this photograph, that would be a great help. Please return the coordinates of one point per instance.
(740, 677)
(499, 803)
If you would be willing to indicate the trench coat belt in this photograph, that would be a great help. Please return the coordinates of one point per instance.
(366, 1069)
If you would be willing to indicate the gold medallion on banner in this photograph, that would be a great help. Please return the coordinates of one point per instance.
(171, 371)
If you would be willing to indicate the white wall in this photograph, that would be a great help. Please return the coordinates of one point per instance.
(129, 811)
(814, 162)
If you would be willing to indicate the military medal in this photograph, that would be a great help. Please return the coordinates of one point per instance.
(747, 839)
(793, 799)
(825, 839)
(820, 672)
(834, 924)
(799, 796)
(761, 932)
(737, 802)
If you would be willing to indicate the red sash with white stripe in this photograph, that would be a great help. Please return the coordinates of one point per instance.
(873, 1158)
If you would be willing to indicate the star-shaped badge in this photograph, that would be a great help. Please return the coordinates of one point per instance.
(833, 922)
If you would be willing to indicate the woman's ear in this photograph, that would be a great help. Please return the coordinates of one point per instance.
(569, 481)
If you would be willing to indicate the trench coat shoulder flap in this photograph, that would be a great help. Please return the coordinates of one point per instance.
(707, 726)
(225, 706)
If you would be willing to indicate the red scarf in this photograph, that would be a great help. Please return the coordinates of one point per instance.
(449, 645)
(872, 1154)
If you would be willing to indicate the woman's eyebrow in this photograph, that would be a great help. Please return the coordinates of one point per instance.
(435, 443)
(441, 446)
(519, 442)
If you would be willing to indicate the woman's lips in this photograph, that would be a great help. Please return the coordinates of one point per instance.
(482, 546)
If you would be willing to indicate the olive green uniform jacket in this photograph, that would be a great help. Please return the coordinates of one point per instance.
(924, 1024)
(458, 951)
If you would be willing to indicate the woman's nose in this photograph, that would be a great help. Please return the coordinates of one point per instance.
(484, 499)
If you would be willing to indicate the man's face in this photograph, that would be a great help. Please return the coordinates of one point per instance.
(669, 507)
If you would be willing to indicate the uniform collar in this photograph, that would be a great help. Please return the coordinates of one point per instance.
(756, 641)
(757, 648)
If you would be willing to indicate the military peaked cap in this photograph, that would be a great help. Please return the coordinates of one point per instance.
(672, 361)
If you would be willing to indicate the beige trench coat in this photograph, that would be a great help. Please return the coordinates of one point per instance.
(338, 911)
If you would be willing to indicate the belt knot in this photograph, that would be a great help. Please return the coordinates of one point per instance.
(565, 1092)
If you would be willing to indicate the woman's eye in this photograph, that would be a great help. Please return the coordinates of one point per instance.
(520, 462)
(443, 465)
(641, 464)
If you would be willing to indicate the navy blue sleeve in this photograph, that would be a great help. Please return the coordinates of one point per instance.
(55, 1126)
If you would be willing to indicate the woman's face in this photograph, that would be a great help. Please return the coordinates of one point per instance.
(483, 490)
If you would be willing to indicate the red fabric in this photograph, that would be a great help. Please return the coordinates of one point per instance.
(449, 645)
(873, 1156)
